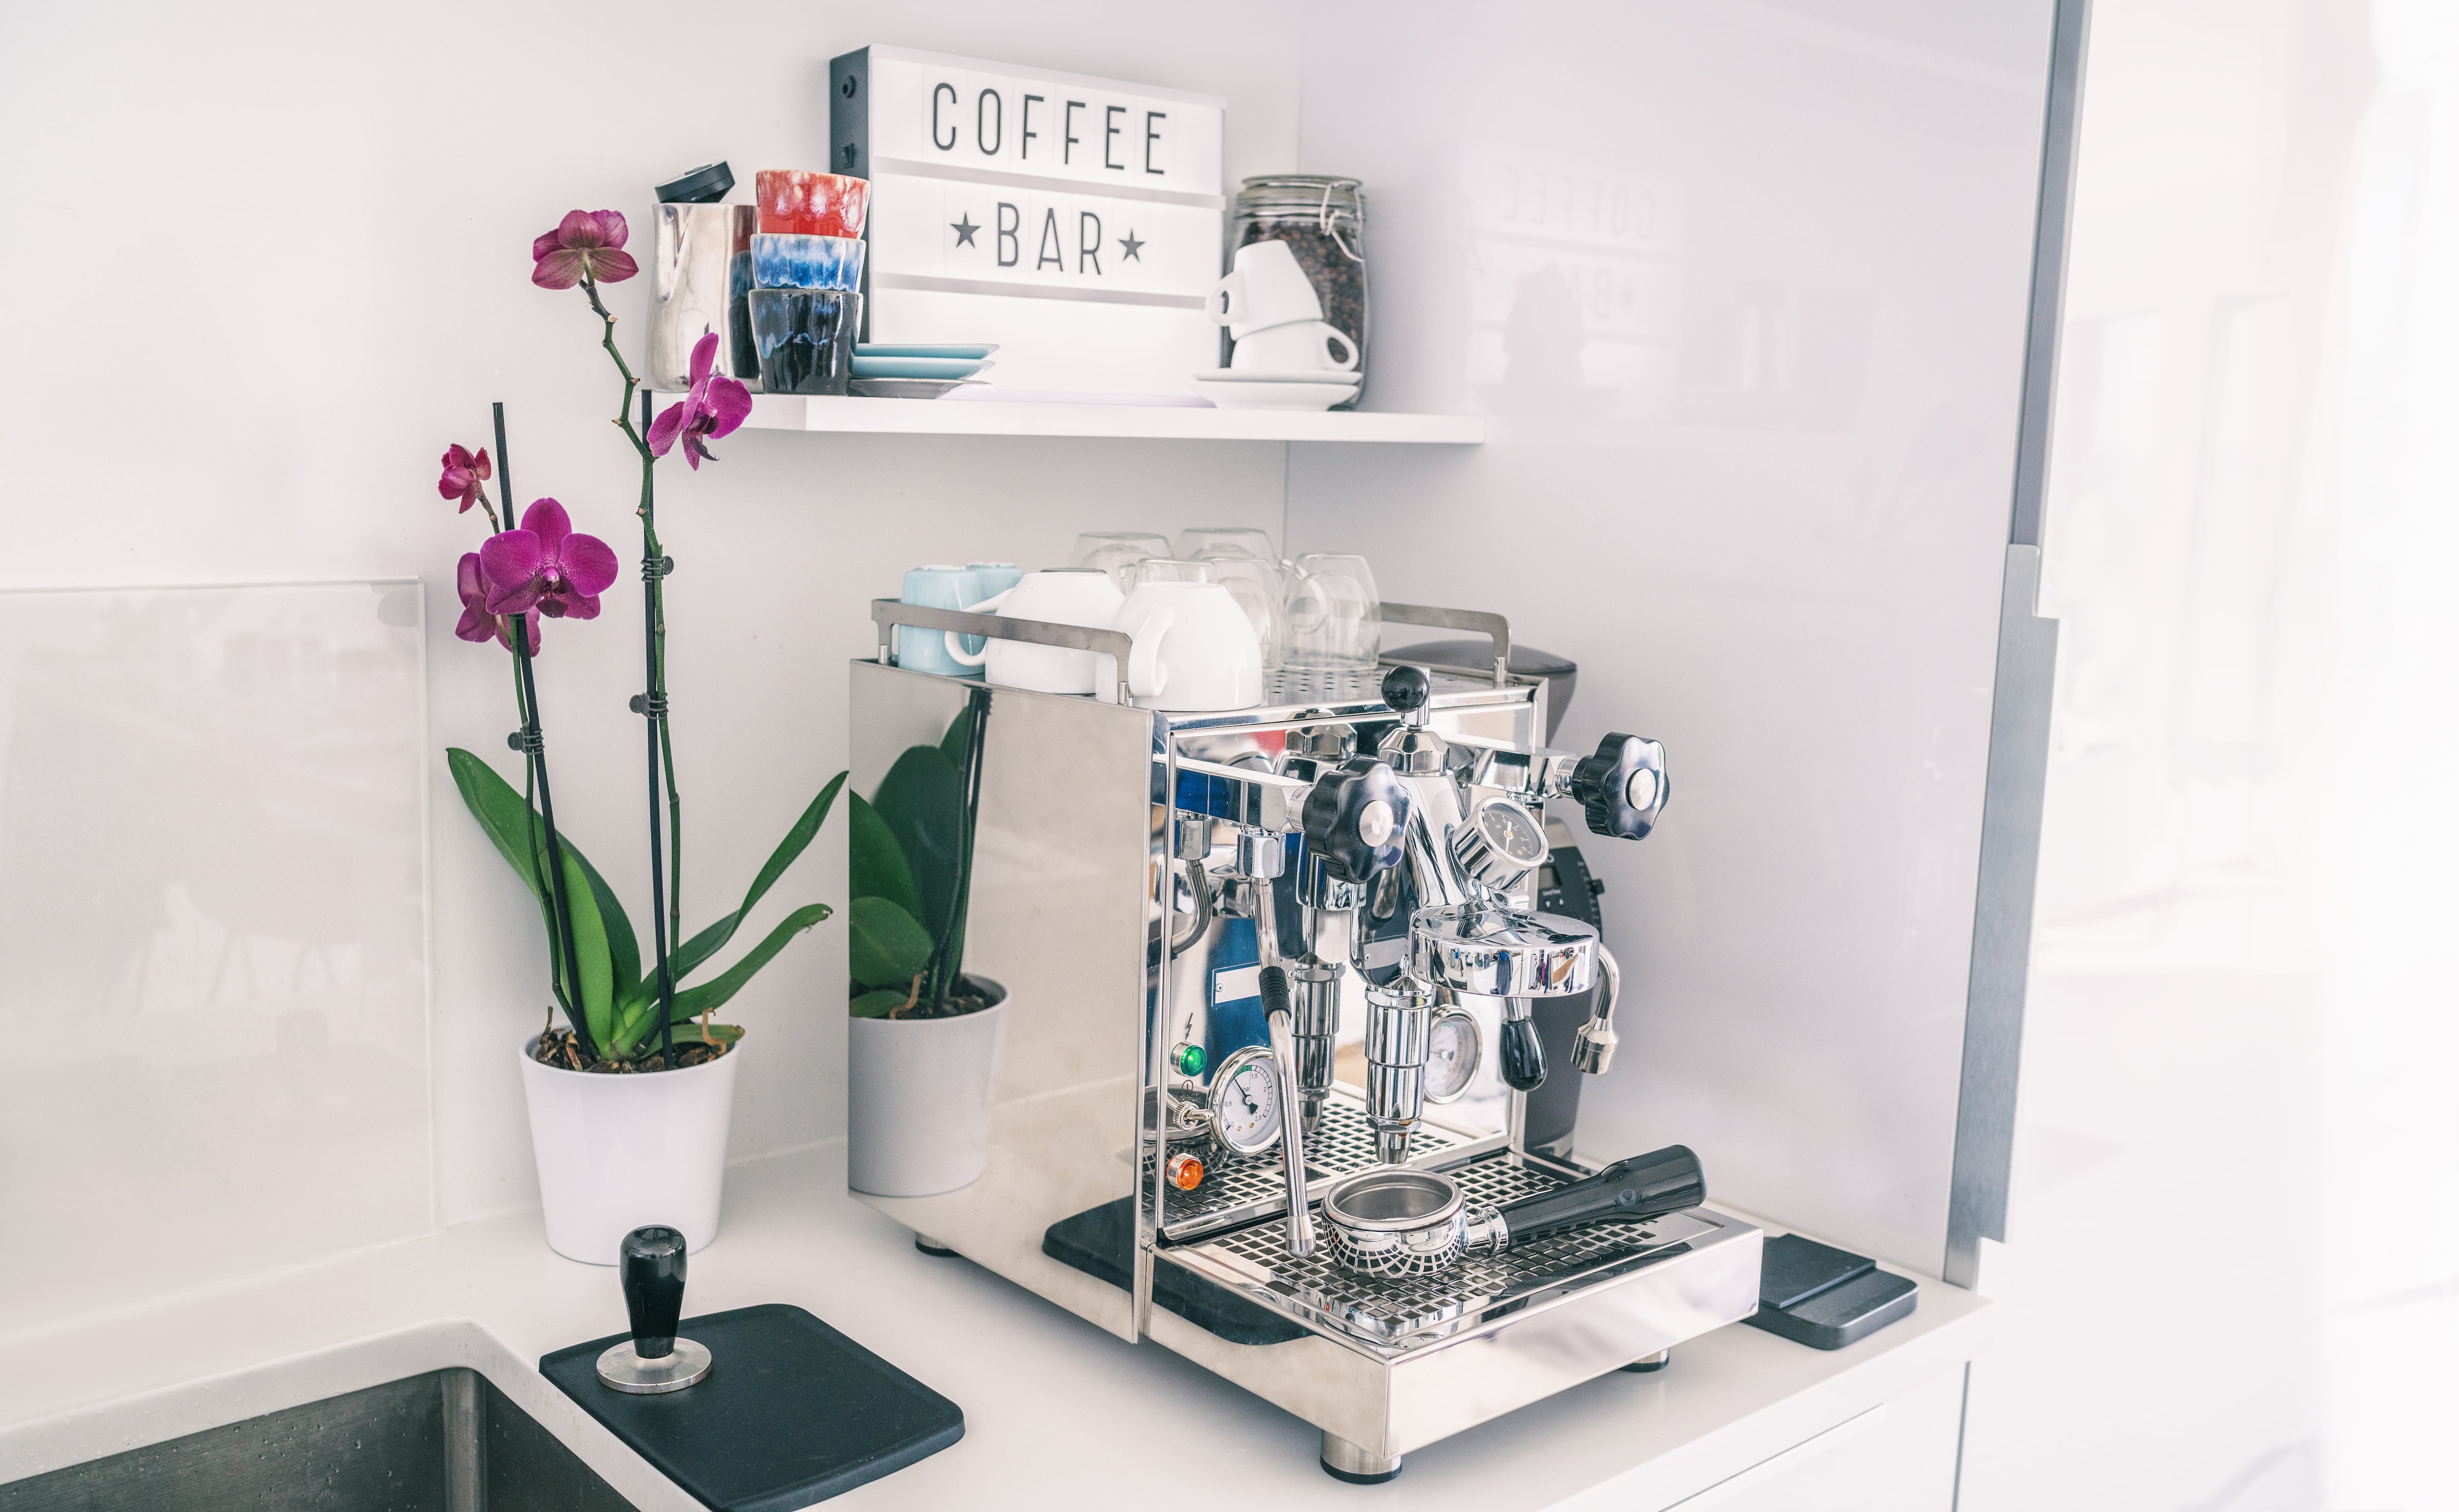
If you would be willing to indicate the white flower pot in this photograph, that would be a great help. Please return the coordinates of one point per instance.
(618, 1152)
(919, 1098)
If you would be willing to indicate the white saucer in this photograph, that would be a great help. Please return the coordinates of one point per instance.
(1320, 376)
(1264, 394)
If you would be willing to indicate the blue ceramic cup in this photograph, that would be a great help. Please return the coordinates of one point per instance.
(935, 587)
(998, 578)
(779, 260)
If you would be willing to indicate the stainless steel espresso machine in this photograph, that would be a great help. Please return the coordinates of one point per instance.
(1185, 910)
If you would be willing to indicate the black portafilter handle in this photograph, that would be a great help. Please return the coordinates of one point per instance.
(1644, 1187)
(1524, 1054)
(652, 1268)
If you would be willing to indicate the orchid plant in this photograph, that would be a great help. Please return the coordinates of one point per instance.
(622, 1013)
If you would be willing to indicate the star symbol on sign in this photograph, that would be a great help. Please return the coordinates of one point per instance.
(1129, 246)
(964, 227)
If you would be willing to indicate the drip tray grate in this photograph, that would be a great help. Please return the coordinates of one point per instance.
(1242, 1186)
(1389, 1310)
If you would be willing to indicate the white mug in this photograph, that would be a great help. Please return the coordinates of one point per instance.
(1295, 348)
(1263, 286)
(1070, 596)
(1194, 648)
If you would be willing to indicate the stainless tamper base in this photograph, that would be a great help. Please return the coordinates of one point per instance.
(622, 1368)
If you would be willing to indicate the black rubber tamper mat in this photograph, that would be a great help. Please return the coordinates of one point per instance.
(792, 1413)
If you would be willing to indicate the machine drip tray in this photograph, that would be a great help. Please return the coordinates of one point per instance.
(1406, 1312)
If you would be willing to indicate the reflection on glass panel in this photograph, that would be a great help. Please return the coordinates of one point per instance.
(212, 934)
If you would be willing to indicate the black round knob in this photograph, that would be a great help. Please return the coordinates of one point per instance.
(1524, 1054)
(1406, 688)
(652, 1267)
(1357, 818)
(1622, 786)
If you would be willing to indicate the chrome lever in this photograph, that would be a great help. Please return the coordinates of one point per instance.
(1592, 1048)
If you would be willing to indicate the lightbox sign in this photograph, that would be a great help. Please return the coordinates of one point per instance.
(1077, 221)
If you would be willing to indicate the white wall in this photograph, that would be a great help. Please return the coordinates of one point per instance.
(1751, 467)
(268, 259)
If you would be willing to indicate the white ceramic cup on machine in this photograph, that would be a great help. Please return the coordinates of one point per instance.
(1194, 648)
(1069, 596)
(1263, 286)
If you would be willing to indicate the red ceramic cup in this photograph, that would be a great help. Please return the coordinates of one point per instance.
(794, 202)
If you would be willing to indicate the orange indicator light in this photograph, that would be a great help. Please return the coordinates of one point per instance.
(1184, 1172)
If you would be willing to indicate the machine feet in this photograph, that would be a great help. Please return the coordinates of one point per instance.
(1343, 1461)
(932, 1248)
(1651, 1363)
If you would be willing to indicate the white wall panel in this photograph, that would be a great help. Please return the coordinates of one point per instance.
(1744, 287)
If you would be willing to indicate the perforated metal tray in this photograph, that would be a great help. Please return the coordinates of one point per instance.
(1239, 1188)
(1409, 1311)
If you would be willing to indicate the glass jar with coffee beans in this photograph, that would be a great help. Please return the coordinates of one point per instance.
(1323, 220)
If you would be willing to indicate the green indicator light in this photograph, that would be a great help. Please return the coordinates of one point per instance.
(1188, 1059)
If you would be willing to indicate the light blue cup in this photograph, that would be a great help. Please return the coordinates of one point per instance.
(998, 578)
(779, 260)
(935, 587)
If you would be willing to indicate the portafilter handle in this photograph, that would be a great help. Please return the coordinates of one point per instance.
(1273, 985)
(1642, 1188)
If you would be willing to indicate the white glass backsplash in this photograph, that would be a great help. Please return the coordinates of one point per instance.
(213, 955)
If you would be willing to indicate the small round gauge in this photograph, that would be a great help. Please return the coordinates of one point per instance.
(1246, 1103)
(1454, 1047)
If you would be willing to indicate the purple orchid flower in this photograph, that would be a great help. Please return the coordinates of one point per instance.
(716, 406)
(465, 475)
(545, 566)
(586, 244)
(478, 626)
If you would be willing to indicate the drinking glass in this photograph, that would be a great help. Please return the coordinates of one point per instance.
(1164, 569)
(1257, 586)
(1334, 616)
(1114, 551)
(1226, 540)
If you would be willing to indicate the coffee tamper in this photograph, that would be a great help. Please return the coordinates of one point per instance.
(654, 1361)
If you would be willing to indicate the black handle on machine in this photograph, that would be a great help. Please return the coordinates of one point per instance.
(1406, 688)
(653, 1287)
(1644, 1187)
(1356, 819)
(1524, 1054)
(1622, 786)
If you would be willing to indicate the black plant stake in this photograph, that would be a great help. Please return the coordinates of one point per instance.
(654, 566)
(948, 958)
(531, 744)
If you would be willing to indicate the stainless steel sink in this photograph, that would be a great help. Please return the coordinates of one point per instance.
(445, 1441)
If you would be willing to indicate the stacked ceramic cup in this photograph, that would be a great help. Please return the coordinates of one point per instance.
(806, 278)
(1284, 355)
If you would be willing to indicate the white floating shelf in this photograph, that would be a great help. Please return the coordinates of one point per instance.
(1158, 422)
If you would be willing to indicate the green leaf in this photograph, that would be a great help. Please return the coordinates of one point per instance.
(960, 734)
(603, 935)
(597, 992)
(622, 947)
(695, 953)
(879, 1003)
(923, 806)
(884, 945)
(689, 1033)
(499, 809)
(711, 995)
(874, 863)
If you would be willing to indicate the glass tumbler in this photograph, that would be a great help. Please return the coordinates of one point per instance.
(1335, 619)
(1114, 551)
(1257, 585)
(1226, 540)
(1164, 569)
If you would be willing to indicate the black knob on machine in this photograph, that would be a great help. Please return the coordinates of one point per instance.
(1523, 1056)
(1357, 818)
(1623, 785)
(1406, 688)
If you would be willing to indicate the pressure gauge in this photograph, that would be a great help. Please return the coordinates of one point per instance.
(1454, 1047)
(1246, 1103)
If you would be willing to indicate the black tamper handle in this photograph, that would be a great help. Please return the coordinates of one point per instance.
(652, 1267)
(1523, 1056)
(1644, 1187)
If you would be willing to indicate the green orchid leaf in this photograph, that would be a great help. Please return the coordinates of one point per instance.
(960, 735)
(499, 809)
(695, 953)
(874, 863)
(718, 1034)
(884, 944)
(879, 1003)
(597, 992)
(923, 805)
(711, 995)
(622, 946)
(603, 935)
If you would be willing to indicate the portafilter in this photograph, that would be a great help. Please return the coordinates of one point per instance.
(1401, 1221)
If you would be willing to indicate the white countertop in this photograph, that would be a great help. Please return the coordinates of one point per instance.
(1057, 1412)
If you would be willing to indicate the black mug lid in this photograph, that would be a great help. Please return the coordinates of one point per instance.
(705, 184)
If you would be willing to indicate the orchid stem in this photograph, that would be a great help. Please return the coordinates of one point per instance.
(654, 706)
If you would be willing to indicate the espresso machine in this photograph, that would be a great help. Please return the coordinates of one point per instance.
(1185, 910)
